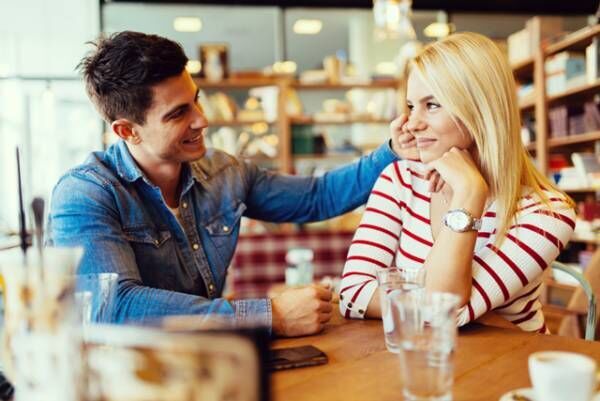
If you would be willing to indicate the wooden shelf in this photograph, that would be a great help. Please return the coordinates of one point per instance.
(574, 139)
(523, 69)
(312, 121)
(579, 190)
(235, 83)
(586, 240)
(578, 40)
(235, 123)
(550, 282)
(527, 105)
(376, 84)
(579, 92)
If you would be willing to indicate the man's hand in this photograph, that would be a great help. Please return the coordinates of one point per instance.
(403, 142)
(301, 311)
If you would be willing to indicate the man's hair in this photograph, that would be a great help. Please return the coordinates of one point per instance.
(120, 72)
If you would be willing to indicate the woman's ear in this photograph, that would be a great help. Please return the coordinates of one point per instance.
(125, 130)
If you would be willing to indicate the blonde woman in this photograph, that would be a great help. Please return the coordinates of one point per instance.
(473, 210)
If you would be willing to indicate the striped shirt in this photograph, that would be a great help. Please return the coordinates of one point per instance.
(396, 224)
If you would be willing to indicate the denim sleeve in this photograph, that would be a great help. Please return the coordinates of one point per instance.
(84, 213)
(285, 198)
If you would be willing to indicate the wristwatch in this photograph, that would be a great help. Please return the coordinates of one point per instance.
(460, 221)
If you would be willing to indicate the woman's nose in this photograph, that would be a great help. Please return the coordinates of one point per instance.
(415, 123)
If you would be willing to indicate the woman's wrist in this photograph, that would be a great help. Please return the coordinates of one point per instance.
(473, 200)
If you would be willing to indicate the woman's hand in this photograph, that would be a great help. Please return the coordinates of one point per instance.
(403, 142)
(457, 169)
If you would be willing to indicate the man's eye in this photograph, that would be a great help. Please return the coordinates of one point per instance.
(177, 114)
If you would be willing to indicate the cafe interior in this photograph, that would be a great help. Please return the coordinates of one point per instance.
(309, 102)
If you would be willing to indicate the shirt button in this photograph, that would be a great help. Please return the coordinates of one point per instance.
(211, 287)
(155, 242)
(184, 204)
(195, 246)
(225, 229)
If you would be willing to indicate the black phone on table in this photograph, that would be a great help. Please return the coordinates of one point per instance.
(296, 357)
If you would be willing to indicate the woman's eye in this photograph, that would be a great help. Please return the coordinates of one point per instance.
(410, 107)
(433, 106)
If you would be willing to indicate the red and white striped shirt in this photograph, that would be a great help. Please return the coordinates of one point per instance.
(396, 223)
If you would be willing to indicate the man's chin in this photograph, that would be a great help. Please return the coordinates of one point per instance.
(195, 155)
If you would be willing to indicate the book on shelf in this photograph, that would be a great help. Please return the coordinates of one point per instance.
(587, 167)
(522, 44)
(592, 60)
(564, 70)
(574, 119)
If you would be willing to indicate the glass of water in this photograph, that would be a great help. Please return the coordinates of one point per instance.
(426, 328)
(401, 279)
(95, 296)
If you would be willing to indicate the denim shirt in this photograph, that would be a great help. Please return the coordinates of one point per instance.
(170, 267)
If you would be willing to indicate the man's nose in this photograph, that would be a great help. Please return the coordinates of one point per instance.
(199, 120)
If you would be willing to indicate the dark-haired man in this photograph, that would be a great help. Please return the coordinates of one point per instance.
(163, 212)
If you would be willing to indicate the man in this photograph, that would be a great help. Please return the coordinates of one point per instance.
(164, 212)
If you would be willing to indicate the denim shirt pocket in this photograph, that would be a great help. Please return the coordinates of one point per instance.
(223, 231)
(153, 249)
(225, 223)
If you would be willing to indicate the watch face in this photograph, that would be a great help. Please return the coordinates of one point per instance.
(458, 220)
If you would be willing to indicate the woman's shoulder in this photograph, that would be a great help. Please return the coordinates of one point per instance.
(546, 202)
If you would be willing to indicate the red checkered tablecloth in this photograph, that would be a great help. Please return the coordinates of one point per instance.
(259, 261)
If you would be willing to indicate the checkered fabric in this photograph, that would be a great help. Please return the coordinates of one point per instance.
(259, 261)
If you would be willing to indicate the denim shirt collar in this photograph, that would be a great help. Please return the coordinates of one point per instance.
(128, 169)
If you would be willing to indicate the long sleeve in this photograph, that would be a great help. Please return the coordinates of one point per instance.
(507, 278)
(374, 245)
(84, 213)
(284, 198)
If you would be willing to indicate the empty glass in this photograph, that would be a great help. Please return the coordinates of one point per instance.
(426, 328)
(95, 296)
(401, 279)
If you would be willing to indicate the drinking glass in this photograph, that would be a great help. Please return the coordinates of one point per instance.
(401, 279)
(41, 350)
(426, 328)
(95, 296)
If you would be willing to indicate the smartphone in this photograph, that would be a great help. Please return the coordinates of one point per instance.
(296, 357)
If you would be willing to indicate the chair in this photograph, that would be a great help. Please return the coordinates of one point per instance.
(590, 328)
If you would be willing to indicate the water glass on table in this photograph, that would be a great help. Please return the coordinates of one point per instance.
(95, 296)
(426, 330)
(41, 351)
(401, 279)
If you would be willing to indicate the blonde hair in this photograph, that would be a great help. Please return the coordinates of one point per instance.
(471, 79)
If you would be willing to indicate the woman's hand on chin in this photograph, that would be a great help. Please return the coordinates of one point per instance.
(457, 169)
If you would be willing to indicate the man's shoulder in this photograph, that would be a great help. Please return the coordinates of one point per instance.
(213, 162)
(96, 169)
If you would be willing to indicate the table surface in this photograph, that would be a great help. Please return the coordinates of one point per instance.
(489, 362)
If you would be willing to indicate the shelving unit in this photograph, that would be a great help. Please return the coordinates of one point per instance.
(283, 124)
(539, 104)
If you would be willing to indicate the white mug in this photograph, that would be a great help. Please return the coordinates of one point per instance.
(561, 376)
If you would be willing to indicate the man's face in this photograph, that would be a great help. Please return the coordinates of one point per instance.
(175, 123)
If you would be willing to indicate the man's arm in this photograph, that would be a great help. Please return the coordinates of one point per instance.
(278, 198)
(83, 213)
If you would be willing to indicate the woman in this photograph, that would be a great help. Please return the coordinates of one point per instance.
(473, 211)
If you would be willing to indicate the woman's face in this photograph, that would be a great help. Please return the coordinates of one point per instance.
(433, 127)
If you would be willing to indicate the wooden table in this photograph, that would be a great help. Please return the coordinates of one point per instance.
(489, 362)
